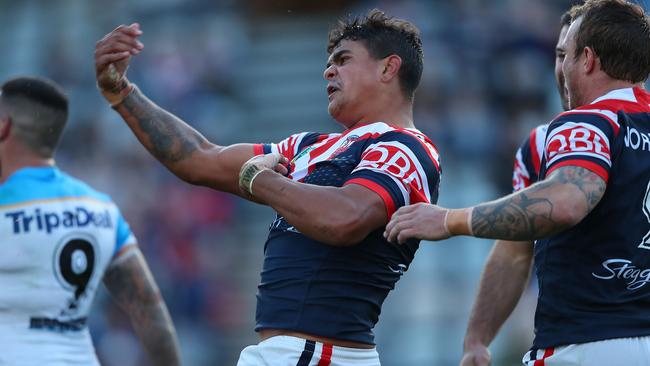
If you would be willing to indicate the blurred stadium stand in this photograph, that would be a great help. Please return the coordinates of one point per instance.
(252, 71)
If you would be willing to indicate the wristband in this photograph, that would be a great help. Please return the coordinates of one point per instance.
(459, 222)
(445, 225)
(248, 175)
(115, 99)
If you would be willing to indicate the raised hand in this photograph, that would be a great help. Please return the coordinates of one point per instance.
(112, 55)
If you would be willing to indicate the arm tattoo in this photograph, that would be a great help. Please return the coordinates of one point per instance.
(534, 212)
(169, 138)
(133, 288)
(591, 185)
(521, 212)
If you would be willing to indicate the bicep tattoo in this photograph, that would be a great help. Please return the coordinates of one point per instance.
(589, 183)
(131, 283)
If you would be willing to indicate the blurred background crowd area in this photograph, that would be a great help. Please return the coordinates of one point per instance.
(251, 71)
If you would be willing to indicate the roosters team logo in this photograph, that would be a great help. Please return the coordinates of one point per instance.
(345, 145)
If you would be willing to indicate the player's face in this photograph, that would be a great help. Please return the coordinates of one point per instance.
(559, 76)
(353, 82)
(572, 67)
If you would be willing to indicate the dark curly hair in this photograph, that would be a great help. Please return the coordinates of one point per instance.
(383, 36)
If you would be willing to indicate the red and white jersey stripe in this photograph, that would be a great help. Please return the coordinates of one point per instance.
(528, 159)
(401, 165)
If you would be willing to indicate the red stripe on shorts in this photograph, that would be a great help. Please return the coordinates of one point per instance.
(326, 355)
(547, 353)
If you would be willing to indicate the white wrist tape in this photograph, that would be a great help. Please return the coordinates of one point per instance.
(469, 221)
(445, 223)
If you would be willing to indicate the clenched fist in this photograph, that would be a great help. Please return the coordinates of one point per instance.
(112, 56)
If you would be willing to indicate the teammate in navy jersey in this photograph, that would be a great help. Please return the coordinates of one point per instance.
(327, 268)
(590, 210)
(59, 239)
(508, 267)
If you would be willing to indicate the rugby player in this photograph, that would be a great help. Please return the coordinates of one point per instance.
(327, 268)
(590, 211)
(508, 267)
(59, 239)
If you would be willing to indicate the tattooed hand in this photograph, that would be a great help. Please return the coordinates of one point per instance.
(257, 164)
(112, 55)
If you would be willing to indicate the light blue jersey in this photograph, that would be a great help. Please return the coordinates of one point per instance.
(57, 237)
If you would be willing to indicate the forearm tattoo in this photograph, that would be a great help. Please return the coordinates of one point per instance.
(532, 213)
(169, 138)
(133, 288)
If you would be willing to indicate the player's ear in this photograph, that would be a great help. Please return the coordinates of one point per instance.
(5, 127)
(390, 65)
(590, 60)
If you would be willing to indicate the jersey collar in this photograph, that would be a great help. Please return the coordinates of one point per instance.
(34, 172)
(626, 94)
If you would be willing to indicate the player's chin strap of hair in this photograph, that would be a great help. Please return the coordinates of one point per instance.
(459, 221)
(116, 98)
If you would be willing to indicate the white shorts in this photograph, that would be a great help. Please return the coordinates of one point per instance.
(294, 351)
(610, 352)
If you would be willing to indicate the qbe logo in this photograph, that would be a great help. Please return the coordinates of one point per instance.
(577, 139)
(396, 160)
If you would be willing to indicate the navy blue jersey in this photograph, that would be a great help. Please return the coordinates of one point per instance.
(337, 292)
(528, 159)
(593, 278)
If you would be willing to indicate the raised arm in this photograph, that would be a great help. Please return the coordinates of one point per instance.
(503, 281)
(134, 289)
(182, 149)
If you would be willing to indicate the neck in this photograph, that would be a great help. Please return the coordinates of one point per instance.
(393, 112)
(19, 161)
(600, 89)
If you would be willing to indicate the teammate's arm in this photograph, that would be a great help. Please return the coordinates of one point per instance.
(502, 283)
(182, 149)
(547, 207)
(134, 289)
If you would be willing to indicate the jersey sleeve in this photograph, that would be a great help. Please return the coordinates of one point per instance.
(528, 159)
(581, 138)
(401, 168)
(123, 237)
(291, 146)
